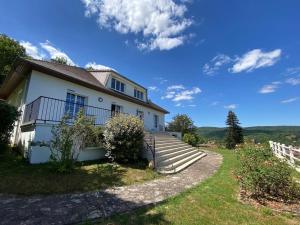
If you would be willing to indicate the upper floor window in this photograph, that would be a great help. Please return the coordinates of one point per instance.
(138, 94)
(117, 85)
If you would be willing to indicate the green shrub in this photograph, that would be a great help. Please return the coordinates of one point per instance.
(264, 175)
(8, 114)
(193, 139)
(123, 136)
(190, 139)
(69, 140)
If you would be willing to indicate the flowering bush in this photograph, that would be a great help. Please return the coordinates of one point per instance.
(123, 137)
(263, 175)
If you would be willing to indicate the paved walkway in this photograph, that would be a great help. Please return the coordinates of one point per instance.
(74, 208)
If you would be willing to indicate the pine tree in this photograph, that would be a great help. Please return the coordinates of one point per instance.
(234, 133)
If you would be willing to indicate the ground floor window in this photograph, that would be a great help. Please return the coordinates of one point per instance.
(140, 114)
(116, 109)
(73, 104)
(156, 118)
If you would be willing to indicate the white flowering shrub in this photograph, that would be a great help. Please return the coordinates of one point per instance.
(123, 137)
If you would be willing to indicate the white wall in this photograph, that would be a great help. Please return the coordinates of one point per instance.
(48, 86)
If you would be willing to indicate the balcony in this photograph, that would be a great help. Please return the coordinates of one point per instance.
(51, 110)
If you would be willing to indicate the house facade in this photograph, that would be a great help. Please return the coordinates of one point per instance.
(46, 91)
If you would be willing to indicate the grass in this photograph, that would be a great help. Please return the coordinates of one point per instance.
(212, 202)
(18, 177)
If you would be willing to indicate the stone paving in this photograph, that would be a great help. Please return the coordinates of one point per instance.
(76, 208)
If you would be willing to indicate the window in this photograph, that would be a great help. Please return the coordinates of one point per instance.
(117, 85)
(140, 114)
(138, 94)
(156, 121)
(73, 104)
(116, 109)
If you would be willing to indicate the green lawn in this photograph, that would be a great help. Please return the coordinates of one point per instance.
(212, 202)
(18, 177)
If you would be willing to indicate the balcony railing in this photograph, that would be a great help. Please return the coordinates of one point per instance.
(51, 110)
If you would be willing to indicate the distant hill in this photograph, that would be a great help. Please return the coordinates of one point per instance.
(284, 134)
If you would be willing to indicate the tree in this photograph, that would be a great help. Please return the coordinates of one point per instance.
(234, 133)
(181, 123)
(61, 60)
(10, 50)
(9, 115)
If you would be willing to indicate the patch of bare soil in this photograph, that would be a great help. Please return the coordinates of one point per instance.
(274, 204)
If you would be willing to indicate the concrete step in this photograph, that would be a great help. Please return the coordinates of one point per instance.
(174, 159)
(181, 166)
(161, 142)
(175, 155)
(170, 146)
(171, 150)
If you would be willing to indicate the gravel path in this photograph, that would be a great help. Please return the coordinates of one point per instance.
(75, 208)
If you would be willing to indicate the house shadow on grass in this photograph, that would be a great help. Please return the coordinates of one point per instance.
(112, 210)
(86, 208)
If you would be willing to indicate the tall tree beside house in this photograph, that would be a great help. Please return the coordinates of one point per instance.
(60, 59)
(181, 123)
(10, 50)
(234, 133)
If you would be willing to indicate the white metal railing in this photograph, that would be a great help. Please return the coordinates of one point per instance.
(289, 153)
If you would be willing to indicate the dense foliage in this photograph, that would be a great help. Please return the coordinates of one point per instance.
(234, 133)
(181, 123)
(265, 176)
(8, 114)
(10, 50)
(61, 60)
(289, 135)
(193, 139)
(123, 136)
(69, 140)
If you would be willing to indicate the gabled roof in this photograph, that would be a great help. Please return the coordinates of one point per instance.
(73, 74)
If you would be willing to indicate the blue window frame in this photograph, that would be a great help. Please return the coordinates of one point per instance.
(73, 104)
(117, 85)
(138, 94)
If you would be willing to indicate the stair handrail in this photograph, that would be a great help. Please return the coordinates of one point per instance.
(150, 146)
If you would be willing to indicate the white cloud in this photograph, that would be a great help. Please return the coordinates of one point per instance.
(186, 94)
(214, 65)
(153, 88)
(292, 71)
(55, 52)
(179, 93)
(231, 106)
(175, 87)
(293, 81)
(290, 100)
(178, 105)
(32, 50)
(269, 88)
(161, 80)
(192, 105)
(255, 59)
(98, 66)
(215, 103)
(161, 22)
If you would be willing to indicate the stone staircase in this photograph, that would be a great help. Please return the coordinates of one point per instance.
(173, 155)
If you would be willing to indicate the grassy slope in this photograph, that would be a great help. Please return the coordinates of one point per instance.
(18, 177)
(212, 202)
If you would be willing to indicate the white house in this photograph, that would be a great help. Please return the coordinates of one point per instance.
(45, 91)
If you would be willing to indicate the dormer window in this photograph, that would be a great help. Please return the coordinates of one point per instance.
(138, 94)
(117, 85)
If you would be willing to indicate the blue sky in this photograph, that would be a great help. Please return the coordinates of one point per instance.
(199, 57)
